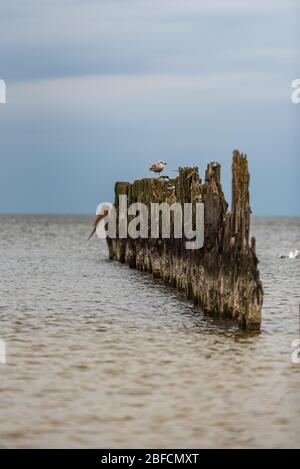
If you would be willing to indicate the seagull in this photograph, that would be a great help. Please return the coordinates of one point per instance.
(102, 212)
(158, 166)
(96, 221)
(294, 254)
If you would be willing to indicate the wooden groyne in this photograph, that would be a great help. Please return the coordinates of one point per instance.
(222, 276)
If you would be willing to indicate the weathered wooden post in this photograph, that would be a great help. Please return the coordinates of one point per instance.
(222, 276)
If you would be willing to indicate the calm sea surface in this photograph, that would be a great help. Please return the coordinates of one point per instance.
(99, 355)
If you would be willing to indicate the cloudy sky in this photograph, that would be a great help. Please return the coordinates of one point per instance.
(99, 89)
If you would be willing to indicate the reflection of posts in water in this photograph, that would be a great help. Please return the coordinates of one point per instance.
(2, 92)
(2, 352)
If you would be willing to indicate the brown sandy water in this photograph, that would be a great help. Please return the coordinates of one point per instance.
(99, 355)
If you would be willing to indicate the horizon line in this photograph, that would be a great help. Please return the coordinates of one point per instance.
(56, 214)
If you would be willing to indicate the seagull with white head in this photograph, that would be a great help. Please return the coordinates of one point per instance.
(158, 167)
(294, 254)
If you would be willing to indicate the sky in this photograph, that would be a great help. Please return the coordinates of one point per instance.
(98, 90)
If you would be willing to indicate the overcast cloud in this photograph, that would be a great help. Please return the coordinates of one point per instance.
(98, 90)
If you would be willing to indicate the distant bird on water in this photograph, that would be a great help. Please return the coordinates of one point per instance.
(294, 254)
(158, 166)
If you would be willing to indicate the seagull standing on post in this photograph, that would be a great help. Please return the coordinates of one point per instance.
(158, 166)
